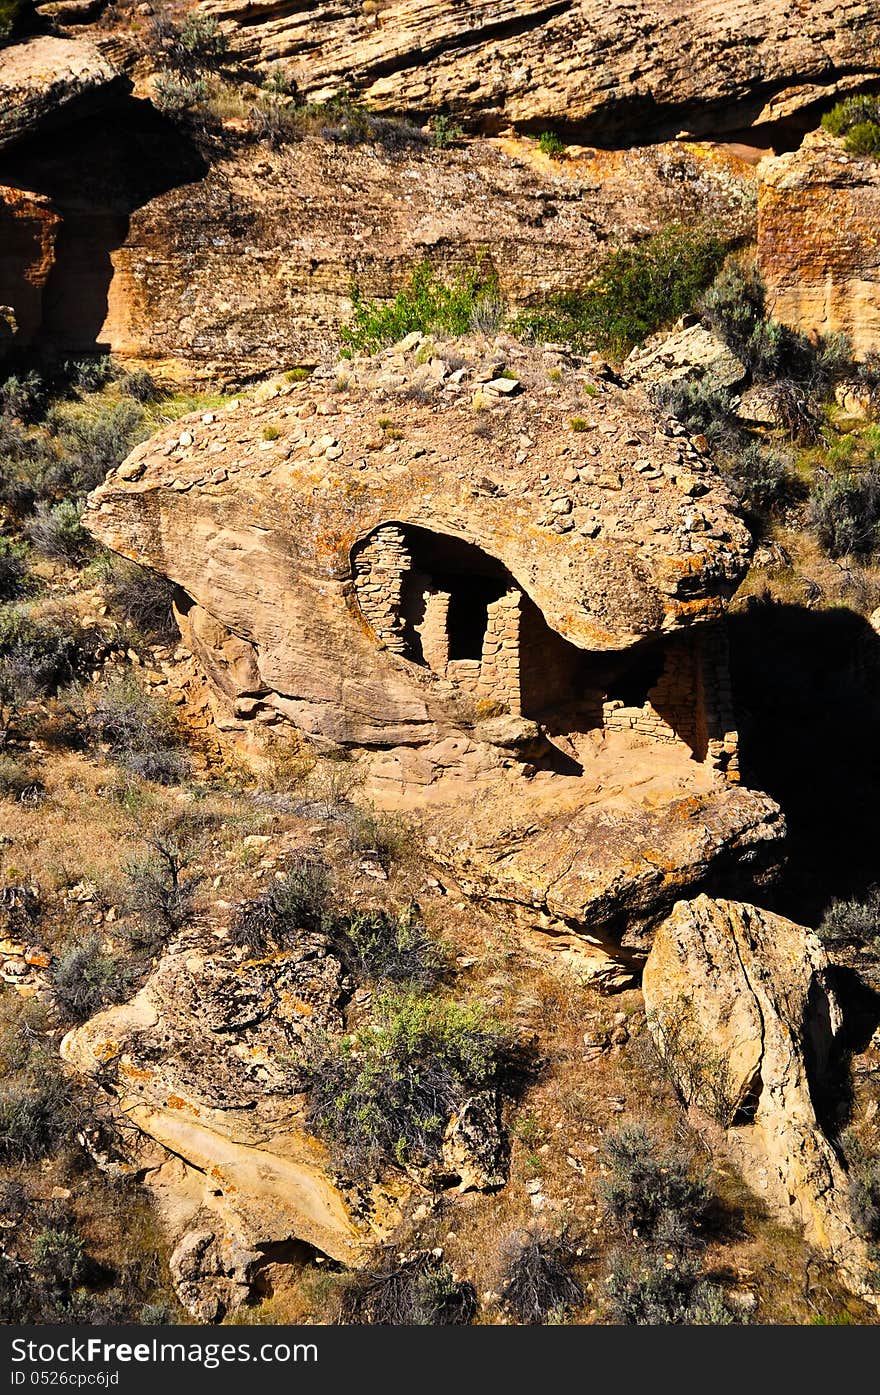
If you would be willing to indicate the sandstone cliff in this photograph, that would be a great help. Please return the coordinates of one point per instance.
(246, 266)
(818, 213)
(47, 81)
(622, 71)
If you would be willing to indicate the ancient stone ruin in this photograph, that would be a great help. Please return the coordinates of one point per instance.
(442, 603)
(484, 571)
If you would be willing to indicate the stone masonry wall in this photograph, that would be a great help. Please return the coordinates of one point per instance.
(500, 667)
(691, 703)
(380, 570)
(434, 630)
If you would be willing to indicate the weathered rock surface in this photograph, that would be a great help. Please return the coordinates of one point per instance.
(200, 1062)
(248, 267)
(818, 251)
(28, 233)
(604, 71)
(613, 867)
(753, 993)
(689, 353)
(47, 81)
(618, 531)
(419, 557)
(200, 1070)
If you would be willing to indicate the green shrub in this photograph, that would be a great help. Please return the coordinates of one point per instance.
(175, 95)
(444, 132)
(140, 732)
(389, 836)
(845, 511)
(704, 408)
(734, 307)
(863, 139)
(88, 374)
(853, 923)
(539, 1282)
(141, 386)
(40, 652)
(646, 1186)
(59, 1257)
(378, 947)
(13, 570)
(199, 45)
(636, 291)
(95, 441)
(140, 596)
(852, 111)
(420, 1291)
(277, 83)
(16, 1287)
(85, 979)
(426, 304)
(300, 900)
(857, 120)
(344, 122)
(131, 722)
(551, 145)
(24, 397)
(56, 531)
(14, 777)
(648, 1290)
(386, 1093)
(762, 480)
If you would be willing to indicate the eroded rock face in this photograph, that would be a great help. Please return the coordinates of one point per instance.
(46, 81)
(248, 268)
(604, 71)
(493, 573)
(751, 992)
(28, 232)
(201, 1064)
(818, 212)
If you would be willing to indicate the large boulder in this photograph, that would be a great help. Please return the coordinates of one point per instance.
(603, 70)
(199, 1070)
(689, 353)
(741, 1005)
(491, 573)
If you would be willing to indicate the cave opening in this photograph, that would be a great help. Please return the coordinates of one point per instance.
(443, 603)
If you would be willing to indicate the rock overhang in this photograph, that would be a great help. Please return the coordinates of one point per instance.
(603, 511)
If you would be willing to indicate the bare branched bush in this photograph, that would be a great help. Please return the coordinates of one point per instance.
(698, 1071)
(377, 946)
(160, 893)
(539, 1280)
(419, 1291)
